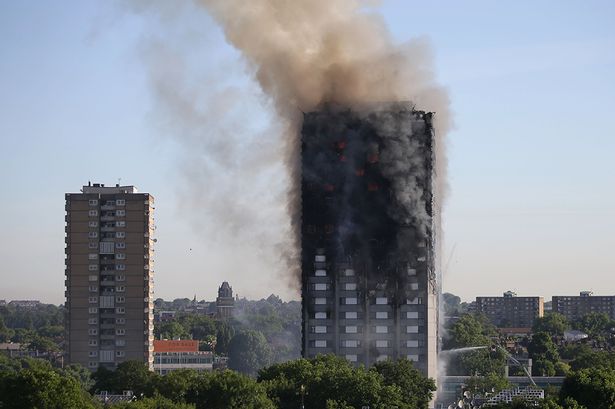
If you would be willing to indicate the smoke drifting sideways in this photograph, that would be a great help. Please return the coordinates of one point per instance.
(305, 54)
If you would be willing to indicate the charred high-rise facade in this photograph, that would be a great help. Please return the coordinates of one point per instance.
(368, 235)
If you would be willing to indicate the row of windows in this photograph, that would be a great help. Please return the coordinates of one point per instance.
(118, 234)
(94, 321)
(118, 277)
(106, 301)
(94, 267)
(116, 202)
(184, 360)
(355, 301)
(355, 329)
(352, 287)
(94, 354)
(118, 342)
(354, 343)
(119, 223)
(119, 288)
(118, 331)
(353, 315)
(106, 247)
(321, 272)
(118, 310)
(354, 358)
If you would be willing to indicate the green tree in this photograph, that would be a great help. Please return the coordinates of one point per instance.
(51, 331)
(224, 334)
(176, 385)
(6, 333)
(170, 330)
(328, 377)
(23, 335)
(483, 362)
(541, 366)
(248, 352)
(41, 389)
(596, 325)
(157, 402)
(334, 404)
(80, 374)
(585, 357)
(228, 390)
(552, 323)
(470, 331)
(128, 376)
(487, 384)
(103, 379)
(593, 388)
(417, 390)
(544, 354)
(198, 326)
(43, 344)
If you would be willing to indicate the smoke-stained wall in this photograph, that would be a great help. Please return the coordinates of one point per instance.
(369, 289)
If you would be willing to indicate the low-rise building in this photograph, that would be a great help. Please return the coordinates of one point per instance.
(575, 307)
(25, 303)
(511, 311)
(11, 349)
(162, 316)
(170, 355)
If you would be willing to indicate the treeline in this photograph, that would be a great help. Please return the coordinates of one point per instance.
(323, 382)
(39, 328)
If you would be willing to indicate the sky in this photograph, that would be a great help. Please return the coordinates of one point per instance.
(531, 203)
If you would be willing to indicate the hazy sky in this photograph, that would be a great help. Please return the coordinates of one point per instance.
(532, 177)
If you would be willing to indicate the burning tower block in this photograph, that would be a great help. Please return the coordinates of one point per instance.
(369, 281)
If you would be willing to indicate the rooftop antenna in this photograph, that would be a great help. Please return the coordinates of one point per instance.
(119, 181)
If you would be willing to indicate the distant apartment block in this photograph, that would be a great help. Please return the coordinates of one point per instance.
(109, 276)
(511, 311)
(24, 303)
(574, 307)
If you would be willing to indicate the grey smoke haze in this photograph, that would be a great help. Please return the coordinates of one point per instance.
(302, 54)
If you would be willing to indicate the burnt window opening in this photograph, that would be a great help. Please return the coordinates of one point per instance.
(342, 158)
(311, 229)
(329, 228)
(340, 145)
(328, 187)
(373, 187)
(360, 172)
(373, 158)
